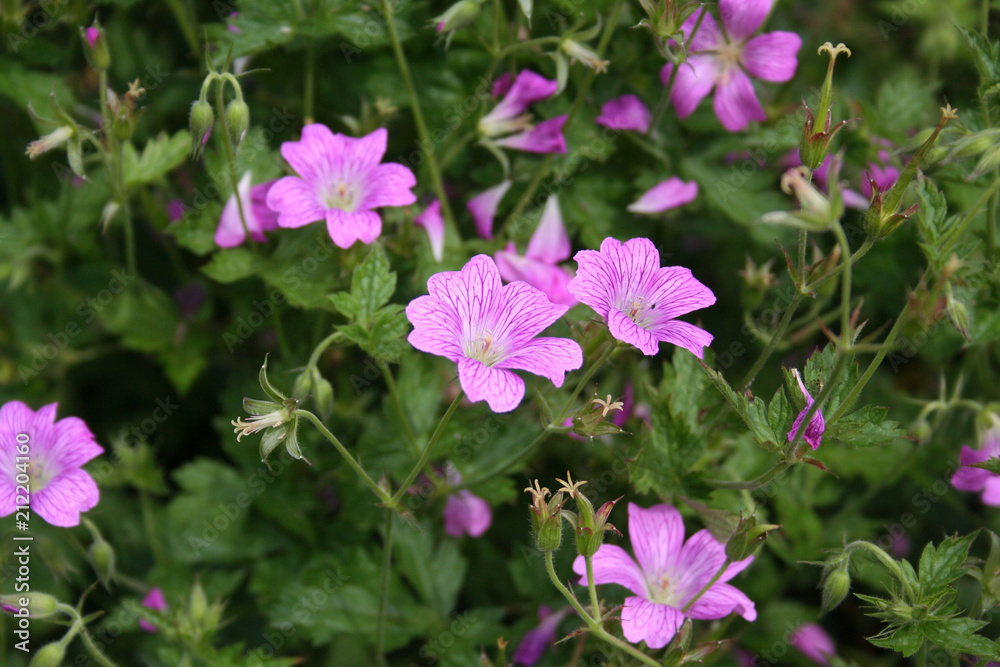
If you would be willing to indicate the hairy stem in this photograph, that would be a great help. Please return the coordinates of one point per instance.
(346, 454)
(425, 455)
(383, 603)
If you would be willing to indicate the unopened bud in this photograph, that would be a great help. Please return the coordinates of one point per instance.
(836, 586)
(102, 555)
(457, 16)
(50, 655)
(39, 605)
(53, 139)
(198, 603)
(546, 517)
(202, 118)
(96, 48)
(238, 120)
(959, 315)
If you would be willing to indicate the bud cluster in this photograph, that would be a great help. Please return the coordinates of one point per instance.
(236, 119)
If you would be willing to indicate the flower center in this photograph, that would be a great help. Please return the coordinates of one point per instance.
(639, 311)
(344, 196)
(730, 54)
(484, 349)
(661, 591)
(38, 477)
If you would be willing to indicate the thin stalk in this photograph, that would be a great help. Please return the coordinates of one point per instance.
(669, 88)
(346, 454)
(112, 147)
(390, 382)
(756, 483)
(886, 560)
(418, 116)
(309, 96)
(872, 367)
(595, 604)
(150, 525)
(92, 648)
(861, 252)
(959, 229)
(704, 589)
(425, 455)
(323, 344)
(991, 213)
(773, 341)
(227, 147)
(803, 238)
(383, 603)
(846, 338)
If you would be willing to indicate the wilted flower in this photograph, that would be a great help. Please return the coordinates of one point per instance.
(483, 207)
(666, 574)
(969, 478)
(638, 298)
(489, 329)
(50, 454)
(340, 180)
(53, 139)
(814, 431)
(539, 267)
(583, 54)
(433, 224)
(722, 59)
(665, 195)
(259, 217)
(625, 113)
(814, 643)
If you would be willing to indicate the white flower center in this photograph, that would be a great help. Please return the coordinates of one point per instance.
(38, 476)
(344, 196)
(639, 310)
(484, 348)
(661, 592)
(730, 54)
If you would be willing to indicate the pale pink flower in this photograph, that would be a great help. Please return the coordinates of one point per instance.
(483, 207)
(259, 217)
(665, 195)
(969, 478)
(341, 181)
(433, 224)
(52, 464)
(625, 113)
(814, 431)
(814, 643)
(539, 266)
(157, 602)
(722, 59)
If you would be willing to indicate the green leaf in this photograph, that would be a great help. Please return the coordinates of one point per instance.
(942, 565)
(985, 55)
(196, 230)
(382, 338)
(526, 8)
(958, 634)
(345, 304)
(906, 640)
(159, 156)
(668, 453)
(993, 465)
(228, 266)
(372, 284)
(866, 428)
(144, 316)
(436, 572)
(751, 410)
(26, 86)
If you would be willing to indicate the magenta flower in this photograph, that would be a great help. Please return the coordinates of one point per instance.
(881, 174)
(259, 217)
(664, 196)
(814, 643)
(814, 432)
(433, 224)
(539, 267)
(489, 329)
(535, 641)
(154, 600)
(483, 208)
(464, 512)
(667, 573)
(968, 478)
(502, 84)
(53, 456)
(625, 113)
(546, 137)
(722, 59)
(509, 114)
(340, 180)
(638, 298)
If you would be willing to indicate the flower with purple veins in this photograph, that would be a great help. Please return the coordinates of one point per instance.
(490, 329)
(813, 642)
(259, 217)
(625, 113)
(56, 452)
(722, 59)
(483, 208)
(433, 224)
(157, 602)
(664, 196)
(539, 266)
(638, 298)
(814, 432)
(970, 478)
(536, 640)
(666, 575)
(340, 180)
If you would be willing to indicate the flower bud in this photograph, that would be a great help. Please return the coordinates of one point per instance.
(589, 525)
(836, 586)
(546, 518)
(238, 120)
(198, 603)
(102, 556)
(747, 538)
(922, 431)
(50, 655)
(96, 48)
(39, 605)
(457, 16)
(202, 118)
(958, 314)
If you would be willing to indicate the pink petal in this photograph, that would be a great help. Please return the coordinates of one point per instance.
(154, 600)
(62, 500)
(968, 478)
(884, 177)
(230, 231)
(991, 491)
(345, 228)
(295, 202)
(360, 155)
(549, 243)
(612, 566)
(854, 199)
(552, 280)
(691, 338)
(546, 137)
(501, 389)
(524, 313)
(736, 103)
(435, 329)
(266, 218)
(624, 329)
(742, 18)
(814, 643)
(551, 358)
(73, 444)
(483, 207)
(656, 624)
(625, 113)
(502, 84)
(527, 89)
(695, 79)
(389, 185)
(315, 155)
(814, 431)
(772, 56)
(721, 600)
(433, 224)
(657, 535)
(466, 513)
(708, 36)
(677, 292)
(666, 195)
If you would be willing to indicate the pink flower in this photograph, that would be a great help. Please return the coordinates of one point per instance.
(155, 601)
(489, 329)
(259, 217)
(483, 207)
(968, 478)
(506, 116)
(535, 641)
(664, 196)
(539, 267)
(814, 432)
(546, 137)
(340, 180)
(464, 512)
(626, 285)
(666, 574)
(433, 224)
(814, 643)
(881, 173)
(625, 113)
(722, 60)
(50, 458)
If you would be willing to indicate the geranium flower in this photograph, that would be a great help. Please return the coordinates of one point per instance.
(814, 432)
(483, 208)
(814, 643)
(154, 600)
(539, 266)
(626, 285)
(433, 224)
(625, 113)
(464, 512)
(968, 478)
(508, 119)
(489, 329)
(666, 195)
(340, 180)
(722, 59)
(667, 573)
(535, 641)
(259, 216)
(59, 488)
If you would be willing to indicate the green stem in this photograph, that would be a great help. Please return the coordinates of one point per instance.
(756, 483)
(887, 560)
(323, 344)
(861, 252)
(310, 91)
(383, 603)
(390, 382)
(190, 36)
(418, 116)
(115, 150)
(227, 147)
(595, 627)
(150, 524)
(846, 338)
(959, 229)
(346, 454)
(669, 88)
(425, 455)
(704, 589)
(595, 604)
(92, 648)
(872, 367)
(773, 341)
